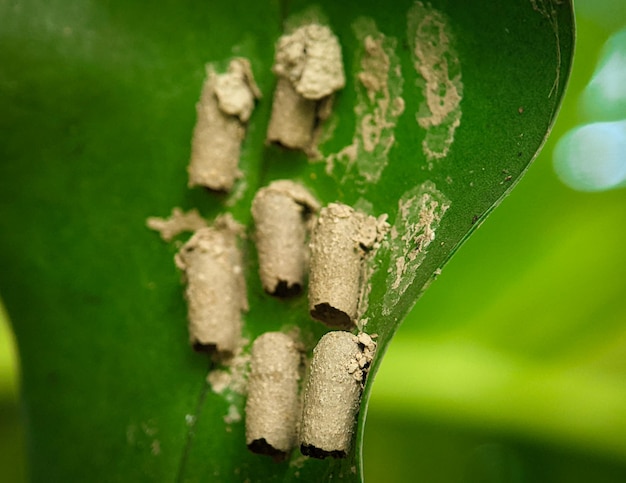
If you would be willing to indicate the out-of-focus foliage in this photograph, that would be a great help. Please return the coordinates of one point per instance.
(11, 430)
(592, 156)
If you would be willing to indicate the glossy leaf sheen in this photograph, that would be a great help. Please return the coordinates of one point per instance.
(98, 108)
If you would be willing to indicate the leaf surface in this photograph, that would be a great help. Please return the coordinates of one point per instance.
(98, 102)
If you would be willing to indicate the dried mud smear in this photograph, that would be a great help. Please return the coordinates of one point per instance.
(333, 393)
(225, 105)
(438, 65)
(309, 67)
(273, 405)
(342, 240)
(215, 291)
(177, 223)
(420, 211)
(232, 377)
(282, 213)
(379, 104)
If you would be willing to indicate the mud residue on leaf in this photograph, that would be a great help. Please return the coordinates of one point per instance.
(309, 67)
(231, 378)
(439, 68)
(143, 435)
(371, 263)
(420, 211)
(216, 293)
(379, 104)
(225, 105)
(233, 415)
(177, 223)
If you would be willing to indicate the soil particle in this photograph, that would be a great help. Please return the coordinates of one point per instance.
(342, 240)
(309, 67)
(219, 380)
(225, 105)
(273, 405)
(333, 393)
(282, 212)
(215, 291)
(178, 222)
(232, 416)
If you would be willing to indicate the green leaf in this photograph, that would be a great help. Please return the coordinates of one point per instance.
(98, 109)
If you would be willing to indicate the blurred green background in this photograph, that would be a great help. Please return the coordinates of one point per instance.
(512, 366)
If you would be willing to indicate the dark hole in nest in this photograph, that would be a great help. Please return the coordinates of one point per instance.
(331, 316)
(283, 289)
(222, 192)
(314, 452)
(261, 446)
(205, 348)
